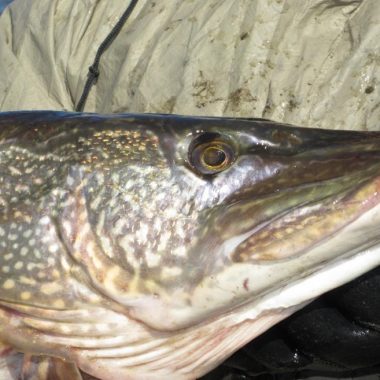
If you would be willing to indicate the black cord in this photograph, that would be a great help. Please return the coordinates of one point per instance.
(93, 70)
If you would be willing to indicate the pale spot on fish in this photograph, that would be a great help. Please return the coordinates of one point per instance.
(26, 296)
(53, 248)
(142, 233)
(65, 263)
(152, 259)
(70, 180)
(9, 284)
(111, 277)
(14, 171)
(30, 266)
(94, 298)
(164, 239)
(179, 251)
(59, 304)
(170, 213)
(45, 220)
(67, 227)
(27, 280)
(19, 265)
(27, 234)
(50, 288)
(82, 217)
(85, 228)
(51, 261)
(169, 272)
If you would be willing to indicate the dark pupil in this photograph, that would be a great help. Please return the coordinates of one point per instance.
(213, 156)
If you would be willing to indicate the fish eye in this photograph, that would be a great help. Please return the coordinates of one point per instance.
(210, 153)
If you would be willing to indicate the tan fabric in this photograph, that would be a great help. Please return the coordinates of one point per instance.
(314, 63)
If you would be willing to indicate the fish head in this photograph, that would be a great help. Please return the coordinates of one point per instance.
(147, 243)
(201, 217)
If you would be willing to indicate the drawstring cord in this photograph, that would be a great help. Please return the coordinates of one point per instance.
(93, 70)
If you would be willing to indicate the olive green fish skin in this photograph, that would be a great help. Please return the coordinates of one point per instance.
(109, 212)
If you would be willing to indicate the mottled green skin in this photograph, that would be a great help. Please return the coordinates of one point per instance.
(102, 211)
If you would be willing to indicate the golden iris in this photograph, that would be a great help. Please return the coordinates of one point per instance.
(214, 157)
(211, 157)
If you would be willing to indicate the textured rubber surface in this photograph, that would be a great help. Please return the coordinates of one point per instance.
(336, 335)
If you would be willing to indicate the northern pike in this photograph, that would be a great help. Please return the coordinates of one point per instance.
(154, 246)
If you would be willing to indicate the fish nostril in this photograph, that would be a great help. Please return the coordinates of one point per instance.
(286, 139)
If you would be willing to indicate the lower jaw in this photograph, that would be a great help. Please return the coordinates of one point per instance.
(362, 240)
